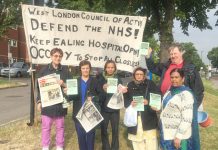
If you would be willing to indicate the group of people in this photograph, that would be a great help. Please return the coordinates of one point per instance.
(174, 125)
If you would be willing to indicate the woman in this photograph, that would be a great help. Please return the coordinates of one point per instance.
(177, 115)
(109, 115)
(87, 89)
(55, 113)
(144, 135)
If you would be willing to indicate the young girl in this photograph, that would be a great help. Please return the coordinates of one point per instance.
(87, 89)
(109, 115)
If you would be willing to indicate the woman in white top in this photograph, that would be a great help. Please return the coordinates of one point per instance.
(177, 115)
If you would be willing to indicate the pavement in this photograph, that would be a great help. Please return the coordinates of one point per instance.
(15, 102)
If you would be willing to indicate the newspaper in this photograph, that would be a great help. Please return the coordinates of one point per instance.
(50, 90)
(89, 116)
(117, 101)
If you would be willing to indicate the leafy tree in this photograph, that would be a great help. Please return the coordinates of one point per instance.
(10, 14)
(160, 14)
(213, 56)
(191, 55)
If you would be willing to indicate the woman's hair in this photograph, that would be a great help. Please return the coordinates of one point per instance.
(110, 62)
(83, 63)
(180, 71)
(139, 69)
(56, 50)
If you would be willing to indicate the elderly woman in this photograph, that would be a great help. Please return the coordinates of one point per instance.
(177, 115)
(144, 134)
(54, 113)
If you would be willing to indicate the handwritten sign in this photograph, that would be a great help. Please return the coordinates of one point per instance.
(95, 37)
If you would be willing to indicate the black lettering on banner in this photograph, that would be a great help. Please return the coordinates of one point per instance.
(120, 31)
(92, 28)
(34, 11)
(117, 20)
(34, 24)
(68, 54)
(78, 57)
(41, 56)
(39, 53)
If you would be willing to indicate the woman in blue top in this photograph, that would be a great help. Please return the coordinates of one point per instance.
(87, 89)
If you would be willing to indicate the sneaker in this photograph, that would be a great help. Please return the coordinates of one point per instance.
(45, 148)
(59, 148)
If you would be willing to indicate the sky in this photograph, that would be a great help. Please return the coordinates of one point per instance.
(203, 40)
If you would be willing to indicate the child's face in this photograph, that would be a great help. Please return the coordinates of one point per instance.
(110, 69)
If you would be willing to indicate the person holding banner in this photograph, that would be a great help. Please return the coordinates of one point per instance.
(109, 114)
(54, 113)
(177, 115)
(87, 90)
(144, 134)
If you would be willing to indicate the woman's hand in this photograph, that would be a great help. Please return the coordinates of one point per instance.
(61, 83)
(177, 142)
(133, 103)
(39, 107)
(149, 53)
(105, 87)
(154, 108)
(145, 102)
(65, 90)
(122, 89)
(89, 98)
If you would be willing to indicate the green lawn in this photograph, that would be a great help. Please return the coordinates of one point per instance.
(21, 137)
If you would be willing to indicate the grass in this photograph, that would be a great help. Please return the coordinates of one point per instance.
(18, 136)
(4, 83)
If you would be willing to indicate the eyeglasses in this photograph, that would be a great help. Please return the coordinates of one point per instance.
(139, 74)
(56, 56)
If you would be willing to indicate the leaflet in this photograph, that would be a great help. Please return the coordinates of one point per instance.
(112, 85)
(143, 50)
(72, 87)
(139, 103)
(155, 101)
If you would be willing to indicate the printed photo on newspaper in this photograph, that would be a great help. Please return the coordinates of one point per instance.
(50, 90)
(116, 101)
(89, 116)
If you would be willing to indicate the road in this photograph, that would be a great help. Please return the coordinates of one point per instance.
(15, 102)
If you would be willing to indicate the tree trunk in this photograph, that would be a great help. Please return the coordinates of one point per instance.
(166, 27)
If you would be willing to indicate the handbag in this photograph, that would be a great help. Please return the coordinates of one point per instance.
(130, 117)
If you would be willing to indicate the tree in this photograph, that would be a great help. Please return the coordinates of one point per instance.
(10, 14)
(191, 55)
(213, 56)
(160, 15)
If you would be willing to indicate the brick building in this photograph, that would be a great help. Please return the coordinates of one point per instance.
(18, 47)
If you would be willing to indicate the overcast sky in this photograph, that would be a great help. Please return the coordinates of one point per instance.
(204, 40)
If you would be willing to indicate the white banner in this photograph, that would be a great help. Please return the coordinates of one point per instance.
(83, 35)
